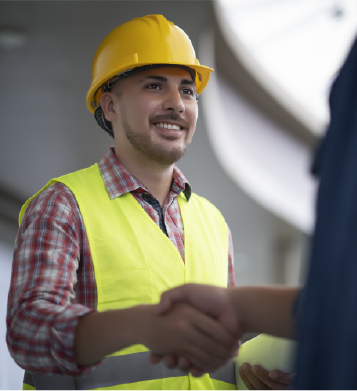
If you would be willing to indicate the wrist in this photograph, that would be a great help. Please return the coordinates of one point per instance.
(99, 334)
(139, 323)
(236, 297)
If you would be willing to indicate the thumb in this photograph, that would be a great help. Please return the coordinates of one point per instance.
(171, 297)
(282, 377)
(164, 305)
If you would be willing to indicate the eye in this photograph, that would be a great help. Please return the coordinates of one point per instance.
(187, 91)
(153, 86)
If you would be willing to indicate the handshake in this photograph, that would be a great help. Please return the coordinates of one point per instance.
(197, 328)
(202, 329)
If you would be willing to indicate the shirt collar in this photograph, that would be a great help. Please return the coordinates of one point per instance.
(119, 181)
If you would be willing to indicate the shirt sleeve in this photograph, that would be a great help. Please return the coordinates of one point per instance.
(231, 277)
(42, 312)
(297, 309)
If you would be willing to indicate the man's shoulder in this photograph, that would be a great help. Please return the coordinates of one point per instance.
(54, 190)
(84, 172)
(57, 193)
(60, 186)
(53, 201)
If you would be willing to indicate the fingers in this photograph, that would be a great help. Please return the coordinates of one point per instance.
(282, 377)
(213, 345)
(183, 363)
(268, 378)
(169, 298)
(217, 332)
(257, 377)
(203, 352)
(186, 332)
(244, 378)
(170, 361)
(250, 379)
(206, 298)
(208, 344)
(196, 372)
(155, 358)
(214, 301)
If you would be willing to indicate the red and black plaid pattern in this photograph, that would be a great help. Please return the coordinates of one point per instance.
(53, 282)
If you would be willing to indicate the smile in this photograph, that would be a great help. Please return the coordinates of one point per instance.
(165, 125)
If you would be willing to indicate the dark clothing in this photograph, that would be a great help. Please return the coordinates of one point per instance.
(327, 327)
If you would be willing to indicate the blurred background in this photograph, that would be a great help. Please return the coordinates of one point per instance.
(261, 116)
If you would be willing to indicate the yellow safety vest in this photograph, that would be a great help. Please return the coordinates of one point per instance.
(134, 262)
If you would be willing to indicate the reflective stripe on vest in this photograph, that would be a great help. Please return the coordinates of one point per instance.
(117, 370)
(134, 262)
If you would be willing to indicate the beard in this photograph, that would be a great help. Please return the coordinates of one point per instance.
(155, 152)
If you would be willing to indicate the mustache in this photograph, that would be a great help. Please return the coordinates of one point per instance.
(170, 117)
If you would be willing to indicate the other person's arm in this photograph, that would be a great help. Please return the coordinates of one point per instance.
(254, 376)
(244, 309)
(254, 309)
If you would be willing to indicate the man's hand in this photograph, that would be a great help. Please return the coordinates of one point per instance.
(186, 332)
(257, 378)
(260, 310)
(213, 301)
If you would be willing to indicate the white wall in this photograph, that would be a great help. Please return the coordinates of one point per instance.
(11, 374)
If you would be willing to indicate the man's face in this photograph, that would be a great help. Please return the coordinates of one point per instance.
(157, 114)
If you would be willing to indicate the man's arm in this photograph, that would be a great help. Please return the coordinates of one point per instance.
(183, 331)
(42, 311)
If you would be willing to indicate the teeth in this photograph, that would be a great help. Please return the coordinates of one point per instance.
(168, 126)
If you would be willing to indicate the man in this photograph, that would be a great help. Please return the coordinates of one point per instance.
(96, 248)
(115, 236)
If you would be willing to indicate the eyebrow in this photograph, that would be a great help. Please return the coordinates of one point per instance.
(164, 79)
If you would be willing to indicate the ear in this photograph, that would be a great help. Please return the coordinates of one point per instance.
(107, 104)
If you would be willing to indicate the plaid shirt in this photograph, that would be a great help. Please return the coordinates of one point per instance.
(53, 281)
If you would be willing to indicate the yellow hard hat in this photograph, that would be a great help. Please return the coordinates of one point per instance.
(149, 40)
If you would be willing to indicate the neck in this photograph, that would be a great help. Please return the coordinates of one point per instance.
(155, 177)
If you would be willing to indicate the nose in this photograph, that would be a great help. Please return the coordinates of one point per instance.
(173, 101)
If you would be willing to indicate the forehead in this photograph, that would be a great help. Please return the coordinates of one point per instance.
(170, 73)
